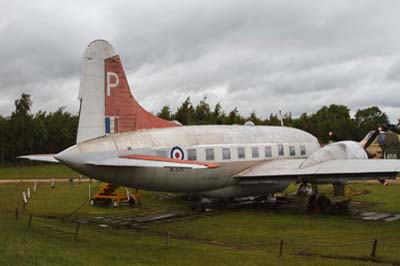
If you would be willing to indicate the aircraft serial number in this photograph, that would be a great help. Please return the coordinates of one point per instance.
(176, 169)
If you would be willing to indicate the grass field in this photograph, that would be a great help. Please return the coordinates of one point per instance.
(38, 171)
(231, 237)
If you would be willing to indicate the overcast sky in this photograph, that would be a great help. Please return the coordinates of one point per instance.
(257, 55)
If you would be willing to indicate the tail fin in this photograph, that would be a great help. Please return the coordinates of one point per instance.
(107, 105)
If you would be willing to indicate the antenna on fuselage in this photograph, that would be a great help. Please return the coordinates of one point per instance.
(280, 117)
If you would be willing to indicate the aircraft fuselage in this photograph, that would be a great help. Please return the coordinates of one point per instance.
(234, 148)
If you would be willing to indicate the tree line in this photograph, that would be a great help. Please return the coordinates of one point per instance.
(23, 132)
(44, 132)
(332, 122)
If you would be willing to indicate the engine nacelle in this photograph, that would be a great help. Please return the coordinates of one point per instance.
(336, 151)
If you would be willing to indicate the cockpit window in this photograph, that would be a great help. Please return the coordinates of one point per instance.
(381, 138)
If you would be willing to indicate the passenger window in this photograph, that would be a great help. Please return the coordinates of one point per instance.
(241, 153)
(209, 154)
(280, 150)
(226, 153)
(255, 153)
(303, 149)
(268, 151)
(192, 156)
(162, 153)
(292, 150)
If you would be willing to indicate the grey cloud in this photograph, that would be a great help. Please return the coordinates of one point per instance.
(258, 55)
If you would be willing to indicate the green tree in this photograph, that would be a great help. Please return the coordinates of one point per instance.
(288, 121)
(20, 127)
(4, 137)
(62, 129)
(184, 114)
(254, 118)
(39, 133)
(202, 113)
(273, 120)
(218, 116)
(234, 118)
(370, 118)
(165, 113)
(333, 118)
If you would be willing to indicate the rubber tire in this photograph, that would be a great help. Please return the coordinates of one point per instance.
(324, 203)
(131, 201)
(115, 204)
(92, 202)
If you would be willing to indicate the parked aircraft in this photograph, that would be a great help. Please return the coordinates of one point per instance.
(121, 143)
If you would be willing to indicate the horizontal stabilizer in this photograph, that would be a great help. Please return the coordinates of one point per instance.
(40, 157)
(152, 161)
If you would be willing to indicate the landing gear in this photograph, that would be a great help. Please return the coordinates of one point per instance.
(324, 203)
(319, 203)
(314, 189)
(303, 190)
(339, 189)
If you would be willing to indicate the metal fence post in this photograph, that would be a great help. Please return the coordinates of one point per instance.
(78, 225)
(168, 238)
(30, 220)
(280, 248)
(374, 246)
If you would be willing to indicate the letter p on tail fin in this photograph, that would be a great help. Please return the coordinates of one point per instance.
(107, 104)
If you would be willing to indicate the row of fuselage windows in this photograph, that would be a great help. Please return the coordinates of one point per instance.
(241, 152)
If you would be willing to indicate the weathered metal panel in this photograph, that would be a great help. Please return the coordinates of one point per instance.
(107, 105)
(206, 136)
(91, 91)
(120, 103)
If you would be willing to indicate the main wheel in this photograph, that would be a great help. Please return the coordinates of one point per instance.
(92, 202)
(324, 203)
(131, 201)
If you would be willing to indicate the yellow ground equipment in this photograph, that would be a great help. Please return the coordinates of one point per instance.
(110, 193)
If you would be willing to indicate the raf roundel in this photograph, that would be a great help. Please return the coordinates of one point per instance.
(177, 153)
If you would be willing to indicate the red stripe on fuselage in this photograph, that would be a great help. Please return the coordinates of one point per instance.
(163, 159)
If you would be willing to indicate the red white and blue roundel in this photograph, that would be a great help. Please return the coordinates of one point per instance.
(177, 153)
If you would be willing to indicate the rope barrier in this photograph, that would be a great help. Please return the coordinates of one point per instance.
(329, 244)
(85, 201)
(206, 241)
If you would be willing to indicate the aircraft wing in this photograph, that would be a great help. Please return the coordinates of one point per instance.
(40, 157)
(152, 161)
(327, 172)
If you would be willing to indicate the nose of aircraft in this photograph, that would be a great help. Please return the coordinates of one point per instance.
(70, 157)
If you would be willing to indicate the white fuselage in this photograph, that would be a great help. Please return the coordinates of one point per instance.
(234, 148)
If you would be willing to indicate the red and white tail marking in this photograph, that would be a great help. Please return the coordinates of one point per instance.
(107, 105)
(121, 104)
